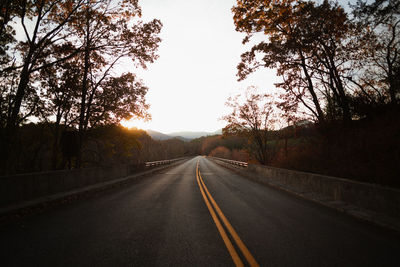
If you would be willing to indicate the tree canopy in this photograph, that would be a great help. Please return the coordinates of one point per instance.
(63, 70)
(326, 66)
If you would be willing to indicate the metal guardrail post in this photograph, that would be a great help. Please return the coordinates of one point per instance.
(161, 162)
(233, 162)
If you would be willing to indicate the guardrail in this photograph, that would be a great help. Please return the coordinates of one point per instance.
(161, 162)
(233, 162)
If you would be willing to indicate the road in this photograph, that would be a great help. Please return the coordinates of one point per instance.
(168, 219)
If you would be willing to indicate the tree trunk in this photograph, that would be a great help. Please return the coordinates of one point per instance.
(84, 93)
(12, 121)
(10, 131)
(310, 87)
(55, 151)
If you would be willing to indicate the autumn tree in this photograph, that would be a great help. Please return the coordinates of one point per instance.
(277, 20)
(331, 52)
(209, 143)
(309, 53)
(108, 32)
(221, 152)
(65, 70)
(252, 118)
(380, 20)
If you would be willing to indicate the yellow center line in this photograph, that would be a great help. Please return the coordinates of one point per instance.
(235, 257)
(249, 257)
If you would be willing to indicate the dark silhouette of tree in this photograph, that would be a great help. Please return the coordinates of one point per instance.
(64, 72)
(58, 105)
(45, 38)
(8, 9)
(311, 54)
(50, 20)
(380, 20)
(279, 21)
(109, 31)
(111, 145)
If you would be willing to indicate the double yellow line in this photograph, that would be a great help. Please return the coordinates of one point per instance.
(213, 207)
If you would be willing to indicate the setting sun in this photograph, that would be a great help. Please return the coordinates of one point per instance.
(135, 123)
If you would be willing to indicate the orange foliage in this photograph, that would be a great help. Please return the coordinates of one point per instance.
(221, 152)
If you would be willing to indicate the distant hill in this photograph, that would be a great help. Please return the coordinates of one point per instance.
(157, 135)
(193, 135)
(185, 136)
(218, 132)
(181, 138)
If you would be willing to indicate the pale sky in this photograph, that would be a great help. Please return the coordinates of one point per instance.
(196, 70)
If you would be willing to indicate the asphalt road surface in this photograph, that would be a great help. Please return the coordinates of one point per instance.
(195, 214)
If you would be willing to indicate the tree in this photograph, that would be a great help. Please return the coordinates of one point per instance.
(108, 32)
(309, 53)
(64, 72)
(278, 21)
(381, 22)
(119, 98)
(110, 145)
(45, 39)
(58, 101)
(50, 19)
(252, 120)
(8, 10)
(209, 143)
(221, 152)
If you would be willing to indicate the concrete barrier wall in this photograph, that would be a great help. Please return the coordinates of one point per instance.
(368, 196)
(16, 188)
(23, 187)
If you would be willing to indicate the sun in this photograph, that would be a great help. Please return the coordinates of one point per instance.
(135, 123)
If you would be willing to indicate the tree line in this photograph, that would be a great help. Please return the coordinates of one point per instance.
(105, 146)
(59, 64)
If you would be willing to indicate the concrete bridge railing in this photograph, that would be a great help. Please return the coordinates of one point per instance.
(25, 187)
(371, 197)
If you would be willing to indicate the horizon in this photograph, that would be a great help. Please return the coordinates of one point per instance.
(175, 132)
(140, 125)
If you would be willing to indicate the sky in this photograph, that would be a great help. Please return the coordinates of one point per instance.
(196, 70)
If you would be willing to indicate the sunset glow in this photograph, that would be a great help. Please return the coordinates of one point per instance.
(196, 70)
(135, 123)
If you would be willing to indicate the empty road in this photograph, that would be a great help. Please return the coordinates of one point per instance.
(195, 214)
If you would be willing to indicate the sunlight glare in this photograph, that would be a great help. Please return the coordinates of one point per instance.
(135, 123)
(196, 72)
